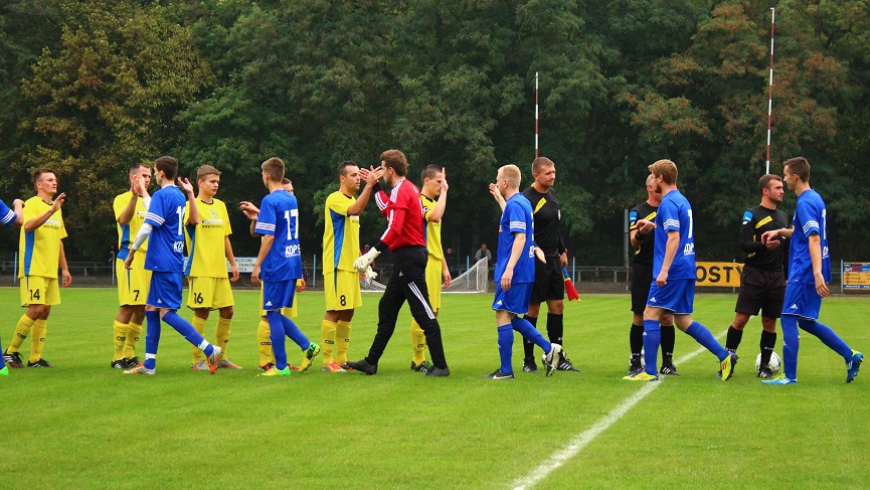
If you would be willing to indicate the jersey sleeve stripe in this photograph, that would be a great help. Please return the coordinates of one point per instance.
(265, 227)
(380, 201)
(9, 218)
(810, 225)
(159, 220)
(672, 223)
(518, 225)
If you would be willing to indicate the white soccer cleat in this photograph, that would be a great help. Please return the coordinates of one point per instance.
(551, 359)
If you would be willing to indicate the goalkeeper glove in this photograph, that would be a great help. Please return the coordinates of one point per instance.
(369, 276)
(363, 263)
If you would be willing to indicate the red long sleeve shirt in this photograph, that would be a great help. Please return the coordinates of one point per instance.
(404, 214)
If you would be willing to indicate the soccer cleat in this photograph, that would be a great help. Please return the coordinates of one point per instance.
(13, 360)
(551, 359)
(781, 380)
(498, 374)
(669, 369)
(277, 372)
(422, 367)
(214, 359)
(853, 366)
(363, 366)
(131, 362)
(41, 363)
(634, 366)
(765, 373)
(266, 367)
(141, 369)
(727, 366)
(4, 371)
(202, 365)
(564, 364)
(119, 364)
(437, 371)
(309, 356)
(333, 367)
(641, 376)
(228, 364)
(529, 365)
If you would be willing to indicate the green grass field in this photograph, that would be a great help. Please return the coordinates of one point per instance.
(84, 425)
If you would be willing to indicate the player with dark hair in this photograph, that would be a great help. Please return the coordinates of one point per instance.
(549, 284)
(40, 253)
(762, 283)
(641, 280)
(131, 209)
(674, 269)
(163, 228)
(10, 217)
(433, 197)
(340, 249)
(404, 237)
(809, 268)
(208, 243)
(515, 274)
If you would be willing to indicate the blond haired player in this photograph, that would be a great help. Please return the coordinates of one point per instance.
(437, 273)
(340, 249)
(208, 243)
(39, 255)
(264, 342)
(130, 210)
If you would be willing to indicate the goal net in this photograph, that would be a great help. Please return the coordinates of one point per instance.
(474, 280)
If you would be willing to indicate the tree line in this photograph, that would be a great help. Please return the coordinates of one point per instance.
(88, 88)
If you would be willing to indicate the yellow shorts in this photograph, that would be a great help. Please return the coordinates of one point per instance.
(433, 282)
(342, 290)
(133, 283)
(209, 292)
(38, 290)
(291, 312)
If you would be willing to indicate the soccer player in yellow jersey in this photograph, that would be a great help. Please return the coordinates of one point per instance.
(340, 249)
(39, 255)
(264, 342)
(10, 217)
(208, 244)
(433, 197)
(130, 210)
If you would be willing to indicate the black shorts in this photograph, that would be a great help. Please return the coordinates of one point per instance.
(549, 281)
(761, 290)
(641, 280)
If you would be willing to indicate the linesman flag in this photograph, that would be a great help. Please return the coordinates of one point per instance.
(570, 290)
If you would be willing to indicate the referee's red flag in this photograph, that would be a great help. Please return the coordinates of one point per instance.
(570, 290)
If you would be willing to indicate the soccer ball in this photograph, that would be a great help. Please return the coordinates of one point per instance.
(775, 362)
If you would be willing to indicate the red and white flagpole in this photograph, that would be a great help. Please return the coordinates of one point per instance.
(770, 92)
(536, 114)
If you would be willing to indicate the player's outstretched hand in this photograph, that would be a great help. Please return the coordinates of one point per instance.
(645, 226)
(493, 189)
(444, 185)
(185, 185)
(369, 276)
(769, 236)
(365, 260)
(251, 211)
(58, 201)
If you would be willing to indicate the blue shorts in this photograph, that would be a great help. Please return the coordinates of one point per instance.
(516, 300)
(676, 296)
(165, 290)
(802, 300)
(278, 294)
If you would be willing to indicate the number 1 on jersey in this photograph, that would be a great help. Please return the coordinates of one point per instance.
(292, 231)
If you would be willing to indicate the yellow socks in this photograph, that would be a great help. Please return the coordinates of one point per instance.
(37, 340)
(418, 343)
(22, 329)
(222, 335)
(327, 333)
(342, 341)
(264, 343)
(120, 331)
(198, 325)
(134, 331)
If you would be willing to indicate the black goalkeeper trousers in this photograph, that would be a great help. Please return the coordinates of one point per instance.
(408, 283)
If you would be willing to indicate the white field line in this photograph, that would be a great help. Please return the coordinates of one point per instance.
(581, 440)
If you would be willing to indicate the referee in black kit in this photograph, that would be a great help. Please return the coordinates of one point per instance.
(762, 284)
(549, 282)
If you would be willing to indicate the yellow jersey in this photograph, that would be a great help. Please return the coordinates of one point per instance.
(39, 250)
(432, 230)
(206, 242)
(340, 234)
(127, 233)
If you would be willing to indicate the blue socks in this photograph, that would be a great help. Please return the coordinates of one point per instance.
(276, 335)
(296, 335)
(152, 338)
(652, 338)
(790, 345)
(704, 337)
(827, 336)
(529, 332)
(189, 333)
(505, 347)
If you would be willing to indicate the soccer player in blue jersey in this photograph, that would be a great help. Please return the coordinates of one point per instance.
(809, 268)
(164, 230)
(515, 273)
(10, 217)
(279, 265)
(673, 291)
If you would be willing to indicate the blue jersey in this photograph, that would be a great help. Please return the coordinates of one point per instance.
(166, 242)
(7, 216)
(675, 214)
(279, 216)
(810, 218)
(516, 218)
